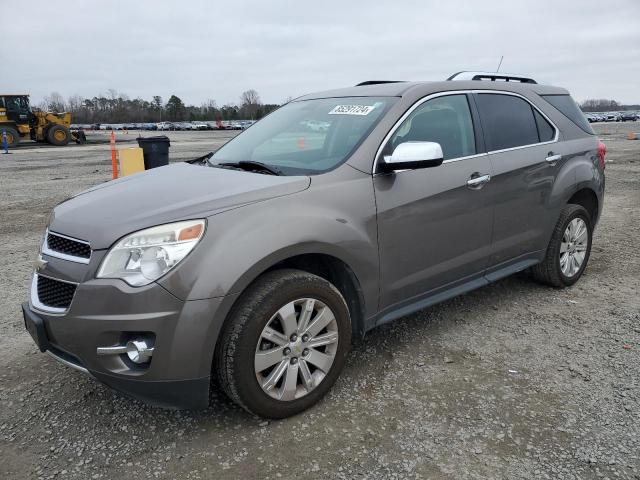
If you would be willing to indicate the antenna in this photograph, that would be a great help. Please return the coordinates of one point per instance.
(500, 64)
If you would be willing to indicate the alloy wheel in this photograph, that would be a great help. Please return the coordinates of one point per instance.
(296, 349)
(573, 248)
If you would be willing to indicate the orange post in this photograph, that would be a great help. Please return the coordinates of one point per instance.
(114, 161)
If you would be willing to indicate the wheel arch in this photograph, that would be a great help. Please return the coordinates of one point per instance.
(588, 199)
(338, 273)
(321, 261)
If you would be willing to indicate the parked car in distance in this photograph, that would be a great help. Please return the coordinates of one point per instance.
(257, 265)
(171, 126)
(627, 117)
(317, 126)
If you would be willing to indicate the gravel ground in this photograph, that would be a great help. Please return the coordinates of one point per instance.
(514, 380)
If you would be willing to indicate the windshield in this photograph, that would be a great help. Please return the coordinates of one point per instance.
(307, 137)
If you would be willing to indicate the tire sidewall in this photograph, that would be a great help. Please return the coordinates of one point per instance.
(580, 212)
(248, 388)
(11, 133)
(51, 135)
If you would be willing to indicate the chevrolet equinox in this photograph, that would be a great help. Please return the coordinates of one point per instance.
(257, 265)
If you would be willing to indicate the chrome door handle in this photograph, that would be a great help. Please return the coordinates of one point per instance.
(553, 158)
(478, 181)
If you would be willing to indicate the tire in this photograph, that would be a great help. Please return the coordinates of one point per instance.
(550, 271)
(13, 137)
(58, 135)
(236, 355)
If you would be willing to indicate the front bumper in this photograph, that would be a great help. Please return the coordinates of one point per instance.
(106, 312)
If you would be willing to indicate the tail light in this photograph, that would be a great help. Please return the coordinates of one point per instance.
(602, 152)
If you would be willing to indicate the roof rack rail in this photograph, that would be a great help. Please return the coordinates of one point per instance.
(492, 76)
(377, 82)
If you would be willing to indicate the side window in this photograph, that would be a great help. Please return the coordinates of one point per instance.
(12, 104)
(445, 120)
(546, 132)
(507, 121)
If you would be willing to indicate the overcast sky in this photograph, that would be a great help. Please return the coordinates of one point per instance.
(205, 49)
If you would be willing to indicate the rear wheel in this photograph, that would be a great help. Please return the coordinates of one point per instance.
(58, 135)
(13, 137)
(284, 345)
(569, 249)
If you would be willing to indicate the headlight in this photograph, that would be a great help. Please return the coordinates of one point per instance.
(145, 256)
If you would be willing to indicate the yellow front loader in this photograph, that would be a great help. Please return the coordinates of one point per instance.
(19, 122)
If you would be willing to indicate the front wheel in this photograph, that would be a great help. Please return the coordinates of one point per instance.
(569, 249)
(284, 344)
(58, 135)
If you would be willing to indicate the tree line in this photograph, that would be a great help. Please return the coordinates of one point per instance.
(117, 107)
(605, 105)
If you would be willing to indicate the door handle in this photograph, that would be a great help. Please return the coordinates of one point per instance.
(553, 158)
(479, 181)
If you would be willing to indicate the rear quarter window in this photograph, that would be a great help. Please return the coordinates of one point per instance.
(568, 107)
(546, 132)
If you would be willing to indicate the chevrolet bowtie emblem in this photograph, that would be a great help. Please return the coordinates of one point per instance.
(40, 263)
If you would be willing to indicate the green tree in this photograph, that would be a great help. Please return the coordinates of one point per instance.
(157, 105)
(175, 108)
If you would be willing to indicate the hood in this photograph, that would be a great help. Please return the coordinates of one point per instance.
(181, 191)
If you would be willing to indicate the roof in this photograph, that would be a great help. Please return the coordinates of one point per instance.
(399, 89)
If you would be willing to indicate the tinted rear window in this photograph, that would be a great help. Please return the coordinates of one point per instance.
(507, 121)
(570, 109)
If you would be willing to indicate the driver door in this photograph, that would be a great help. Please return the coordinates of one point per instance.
(434, 224)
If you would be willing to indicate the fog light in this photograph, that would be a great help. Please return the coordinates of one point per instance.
(138, 351)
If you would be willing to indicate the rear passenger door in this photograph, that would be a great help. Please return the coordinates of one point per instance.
(521, 142)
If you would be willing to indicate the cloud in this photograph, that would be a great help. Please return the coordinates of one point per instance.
(202, 49)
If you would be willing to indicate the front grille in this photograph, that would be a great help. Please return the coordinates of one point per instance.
(68, 246)
(54, 293)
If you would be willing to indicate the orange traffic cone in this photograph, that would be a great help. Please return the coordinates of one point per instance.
(114, 161)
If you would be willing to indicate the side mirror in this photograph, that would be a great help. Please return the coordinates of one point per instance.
(411, 155)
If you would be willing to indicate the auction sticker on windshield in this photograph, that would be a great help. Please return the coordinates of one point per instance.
(352, 110)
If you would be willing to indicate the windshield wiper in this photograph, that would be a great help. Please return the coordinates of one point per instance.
(252, 166)
(203, 160)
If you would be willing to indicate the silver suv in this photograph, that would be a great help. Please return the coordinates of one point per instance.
(343, 210)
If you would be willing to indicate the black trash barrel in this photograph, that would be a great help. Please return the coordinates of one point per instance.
(155, 151)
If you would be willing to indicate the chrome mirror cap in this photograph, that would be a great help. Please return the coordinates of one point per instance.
(410, 155)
